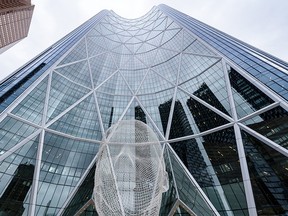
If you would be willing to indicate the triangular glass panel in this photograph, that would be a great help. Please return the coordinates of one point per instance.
(80, 121)
(221, 149)
(209, 86)
(118, 29)
(171, 24)
(122, 37)
(164, 55)
(64, 161)
(137, 46)
(247, 97)
(170, 196)
(134, 78)
(13, 131)
(180, 124)
(121, 30)
(148, 25)
(198, 48)
(153, 83)
(112, 41)
(135, 40)
(193, 155)
(125, 33)
(111, 107)
(63, 93)
(17, 179)
(173, 35)
(173, 42)
(160, 27)
(188, 191)
(126, 51)
(77, 72)
(187, 39)
(133, 30)
(193, 66)
(143, 34)
(155, 41)
(112, 29)
(117, 49)
(130, 47)
(32, 106)
(77, 53)
(184, 212)
(272, 124)
(144, 48)
(126, 61)
(96, 45)
(158, 15)
(193, 113)
(168, 69)
(135, 111)
(115, 85)
(82, 195)
(152, 35)
(132, 63)
(107, 28)
(269, 176)
(116, 57)
(158, 22)
(158, 106)
(102, 66)
(140, 34)
(139, 64)
(94, 32)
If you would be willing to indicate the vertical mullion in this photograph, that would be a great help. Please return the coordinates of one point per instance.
(240, 148)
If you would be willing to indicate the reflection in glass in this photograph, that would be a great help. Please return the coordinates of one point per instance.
(268, 171)
(272, 124)
(11, 202)
(248, 98)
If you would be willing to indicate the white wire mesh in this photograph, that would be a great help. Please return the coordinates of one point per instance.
(130, 174)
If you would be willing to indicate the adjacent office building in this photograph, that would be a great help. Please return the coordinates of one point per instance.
(15, 19)
(218, 106)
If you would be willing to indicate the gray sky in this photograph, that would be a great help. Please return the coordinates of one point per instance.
(261, 23)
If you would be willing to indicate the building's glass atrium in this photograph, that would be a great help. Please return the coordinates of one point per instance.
(224, 130)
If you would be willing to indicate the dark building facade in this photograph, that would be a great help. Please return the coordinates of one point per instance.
(11, 202)
(218, 106)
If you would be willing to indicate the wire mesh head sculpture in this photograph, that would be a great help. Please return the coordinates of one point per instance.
(130, 174)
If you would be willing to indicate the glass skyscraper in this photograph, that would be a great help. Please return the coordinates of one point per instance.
(218, 106)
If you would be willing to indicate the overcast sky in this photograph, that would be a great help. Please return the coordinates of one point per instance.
(261, 23)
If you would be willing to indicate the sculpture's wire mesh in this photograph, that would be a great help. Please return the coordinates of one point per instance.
(130, 174)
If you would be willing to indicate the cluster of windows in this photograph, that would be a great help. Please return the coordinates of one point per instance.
(31, 108)
(62, 95)
(64, 161)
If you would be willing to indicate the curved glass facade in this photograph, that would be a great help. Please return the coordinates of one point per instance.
(217, 105)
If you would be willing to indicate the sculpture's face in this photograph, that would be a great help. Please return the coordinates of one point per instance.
(130, 171)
